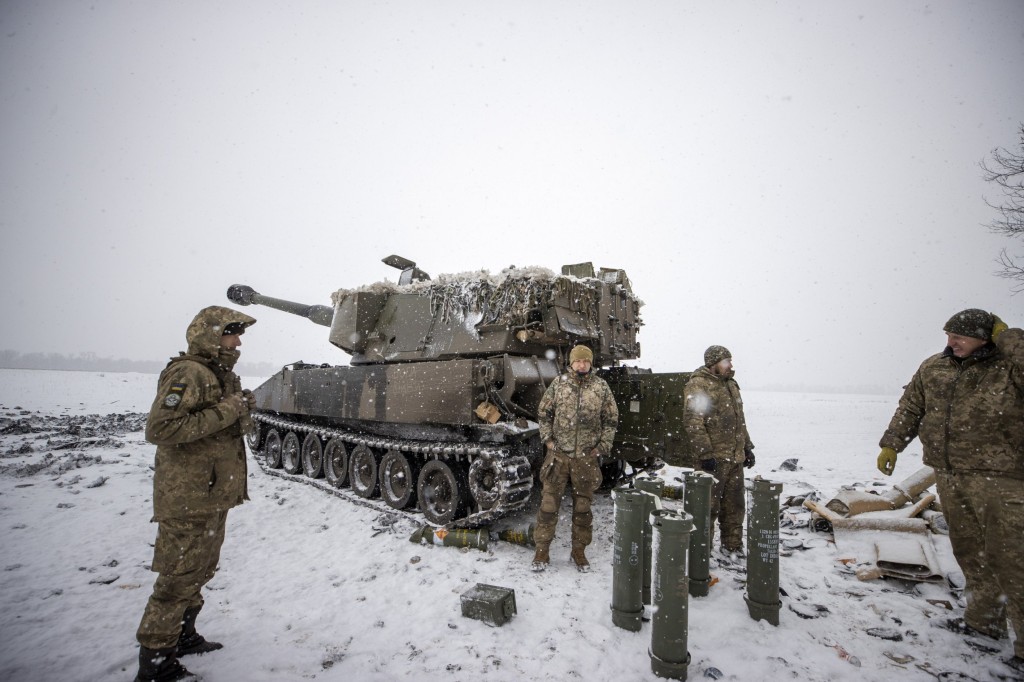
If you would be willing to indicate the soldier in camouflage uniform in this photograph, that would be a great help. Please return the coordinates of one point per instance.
(718, 441)
(578, 418)
(966, 404)
(197, 422)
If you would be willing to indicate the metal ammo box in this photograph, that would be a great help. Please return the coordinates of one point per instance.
(489, 603)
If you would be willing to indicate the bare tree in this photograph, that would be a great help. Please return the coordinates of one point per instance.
(1006, 169)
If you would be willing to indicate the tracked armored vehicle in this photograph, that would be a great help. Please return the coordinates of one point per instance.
(437, 407)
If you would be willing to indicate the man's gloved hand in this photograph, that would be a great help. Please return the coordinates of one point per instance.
(238, 403)
(748, 457)
(887, 461)
(250, 399)
(709, 465)
(998, 326)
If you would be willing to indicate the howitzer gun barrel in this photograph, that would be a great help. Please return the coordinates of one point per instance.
(246, 295)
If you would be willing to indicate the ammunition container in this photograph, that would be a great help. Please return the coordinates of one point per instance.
(654, 486)
(763, 552)
(517, 536)
(669, 624)
(627, 558)
(457, 537)
(672, 491)
(649, 484)
(697, 502)
(492, 604)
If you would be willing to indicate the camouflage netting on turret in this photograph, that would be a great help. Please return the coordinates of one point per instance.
(506, 298)
(509, 300)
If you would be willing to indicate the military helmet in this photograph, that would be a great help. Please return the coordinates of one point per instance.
(581, 353)
(972, 322)
(715, 354)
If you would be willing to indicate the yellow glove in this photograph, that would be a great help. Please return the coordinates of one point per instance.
(998, 326)
(887, 461)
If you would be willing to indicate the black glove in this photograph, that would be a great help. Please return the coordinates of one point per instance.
(709, 465)
(748, 457)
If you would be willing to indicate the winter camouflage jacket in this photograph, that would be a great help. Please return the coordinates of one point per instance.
(578, 415)
(200, 456)
(713, 417)
(969, 414)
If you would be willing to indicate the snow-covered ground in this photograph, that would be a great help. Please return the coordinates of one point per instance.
(314, 587)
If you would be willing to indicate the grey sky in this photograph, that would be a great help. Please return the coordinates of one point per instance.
(795, 180)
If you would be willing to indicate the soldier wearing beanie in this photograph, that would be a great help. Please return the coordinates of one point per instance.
(966, 405)
(972, 323)
(717, 433)
(578, 418)
(715, 354)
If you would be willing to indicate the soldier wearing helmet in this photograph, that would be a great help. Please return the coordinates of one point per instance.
(578, 418)
(197, 422)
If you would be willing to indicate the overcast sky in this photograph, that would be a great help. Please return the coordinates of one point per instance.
(798, 181)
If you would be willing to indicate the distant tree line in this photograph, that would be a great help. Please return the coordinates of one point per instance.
(90, 362)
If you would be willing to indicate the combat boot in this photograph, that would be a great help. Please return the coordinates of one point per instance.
(541, 558)
(161, 665)
(190, 641)
(734, 554)
(580, 559)
(960, 627)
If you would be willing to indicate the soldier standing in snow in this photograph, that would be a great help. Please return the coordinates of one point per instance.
(717, 433)
(197, 422)
(578, 418)
(966, 404)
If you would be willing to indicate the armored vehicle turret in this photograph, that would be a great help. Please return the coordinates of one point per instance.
(437, 407)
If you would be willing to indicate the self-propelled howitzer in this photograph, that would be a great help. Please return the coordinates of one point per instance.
(438, 406)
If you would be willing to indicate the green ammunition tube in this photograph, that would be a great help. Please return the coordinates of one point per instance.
(669, 624)
(654, 486)
(457, 537)
(697, 503)
(517, 536)
(627, 558)
(763, 552)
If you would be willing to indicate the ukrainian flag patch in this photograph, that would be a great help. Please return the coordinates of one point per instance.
(174, 395)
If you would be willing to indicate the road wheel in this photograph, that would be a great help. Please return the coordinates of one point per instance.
(363, 464)
(254, 439)
(442, 492)
(291, 459)
(336, 463)
(272, 449)
(312, 456)
(398, 479)
(483, 483)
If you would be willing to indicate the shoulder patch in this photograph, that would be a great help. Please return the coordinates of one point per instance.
(174, 395)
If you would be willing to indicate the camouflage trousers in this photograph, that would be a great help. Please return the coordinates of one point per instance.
(728, 504)
(185, 556)
(986, 523)
(557, 471)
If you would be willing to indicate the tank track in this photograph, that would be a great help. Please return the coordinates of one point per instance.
(509, 477)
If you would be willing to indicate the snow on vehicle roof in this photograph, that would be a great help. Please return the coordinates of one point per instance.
(506, 297)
